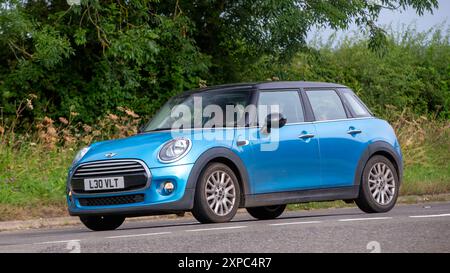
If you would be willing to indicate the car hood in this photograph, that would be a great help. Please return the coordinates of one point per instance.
(146, 146)
(142, 146)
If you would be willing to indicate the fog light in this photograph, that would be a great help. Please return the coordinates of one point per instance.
(169, 187)
(70, 196)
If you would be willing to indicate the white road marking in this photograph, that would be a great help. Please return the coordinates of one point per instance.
(219, 228)
(137, 235)
(295, 223)
(56, 242)
(364, 219)
(430, 215)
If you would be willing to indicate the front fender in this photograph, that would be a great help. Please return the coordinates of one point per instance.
(378, 147)
(219, 153)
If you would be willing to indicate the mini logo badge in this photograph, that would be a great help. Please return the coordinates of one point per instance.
(109, 155)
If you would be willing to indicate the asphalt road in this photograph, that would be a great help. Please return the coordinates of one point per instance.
(407, 228)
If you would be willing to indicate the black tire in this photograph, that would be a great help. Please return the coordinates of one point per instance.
(366, 201)
(266, 213)
(101, 223)
(201, 210)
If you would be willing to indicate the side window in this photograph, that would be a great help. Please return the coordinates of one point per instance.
(355, 104)
(287, 102)
(326, 104)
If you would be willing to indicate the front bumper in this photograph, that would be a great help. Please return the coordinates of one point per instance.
(155, 200)
(184, 204)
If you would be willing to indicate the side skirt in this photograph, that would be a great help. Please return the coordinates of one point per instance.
(301, 196)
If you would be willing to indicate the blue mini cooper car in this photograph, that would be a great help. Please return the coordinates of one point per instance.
(257, 146)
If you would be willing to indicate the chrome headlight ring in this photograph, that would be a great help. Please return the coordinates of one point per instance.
(174, 150)
(80, 154)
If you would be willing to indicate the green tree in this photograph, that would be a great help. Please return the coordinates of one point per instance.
(238, 33)
(413, 74)
(93, 57)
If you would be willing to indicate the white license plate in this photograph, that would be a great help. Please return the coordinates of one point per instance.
(104, 183)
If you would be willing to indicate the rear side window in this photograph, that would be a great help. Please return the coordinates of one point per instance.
(326, 104)
(355, 105)
(287, 102)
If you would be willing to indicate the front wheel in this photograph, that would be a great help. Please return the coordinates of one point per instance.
(101, 223)
(379, 186)
(266, 213)
(217, 194)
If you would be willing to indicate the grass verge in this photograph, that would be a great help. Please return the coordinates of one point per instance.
(33, 174)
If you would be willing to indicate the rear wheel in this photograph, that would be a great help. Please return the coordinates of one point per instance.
(379, 186)
(217, 194)
(101, 223)
(266, 213)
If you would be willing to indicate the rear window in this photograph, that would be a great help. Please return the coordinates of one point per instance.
(326, 105)
(355, 105)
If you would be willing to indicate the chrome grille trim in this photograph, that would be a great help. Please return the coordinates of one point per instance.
(110, 162)
(125, 171)
(100, 163)
(109, 167)
(95, 168)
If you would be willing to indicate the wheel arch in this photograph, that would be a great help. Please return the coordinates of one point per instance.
(225, 156)
(379, 148)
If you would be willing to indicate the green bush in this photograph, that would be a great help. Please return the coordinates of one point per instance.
(412, 71)
(93, 58)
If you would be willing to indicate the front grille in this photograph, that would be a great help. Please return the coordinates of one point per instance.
(111, 200)
(134, 173)
(109, 167)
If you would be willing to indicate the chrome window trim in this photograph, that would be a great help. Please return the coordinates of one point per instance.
(100, 193)
(254, 126)
(319, 121)
(342, 119)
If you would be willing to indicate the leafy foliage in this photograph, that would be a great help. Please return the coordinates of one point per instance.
(236, 33)
(101, 54)
(94, 57)
(413, 73)
(73, 74)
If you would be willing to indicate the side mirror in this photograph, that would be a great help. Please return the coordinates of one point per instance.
(274, 120)
(141, 128)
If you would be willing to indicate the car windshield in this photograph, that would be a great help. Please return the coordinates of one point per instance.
(212, 109)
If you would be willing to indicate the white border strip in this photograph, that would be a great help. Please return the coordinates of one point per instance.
(137, 235)
(430, 215)
(56, 242)
(295, 223)
(364, 219)
(220, 228)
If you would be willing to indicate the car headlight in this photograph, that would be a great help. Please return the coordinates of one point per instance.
(80, 155)
(174, 149)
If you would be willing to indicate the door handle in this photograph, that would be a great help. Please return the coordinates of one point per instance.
(242, 142)
(354, 131)
(306, 136)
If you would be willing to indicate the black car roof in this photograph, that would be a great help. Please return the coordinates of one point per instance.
(269, 85)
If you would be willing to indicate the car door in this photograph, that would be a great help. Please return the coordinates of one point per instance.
(287, 158)
(341, 137)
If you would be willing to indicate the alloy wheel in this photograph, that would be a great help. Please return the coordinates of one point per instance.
(382, 183)
(220, 193)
